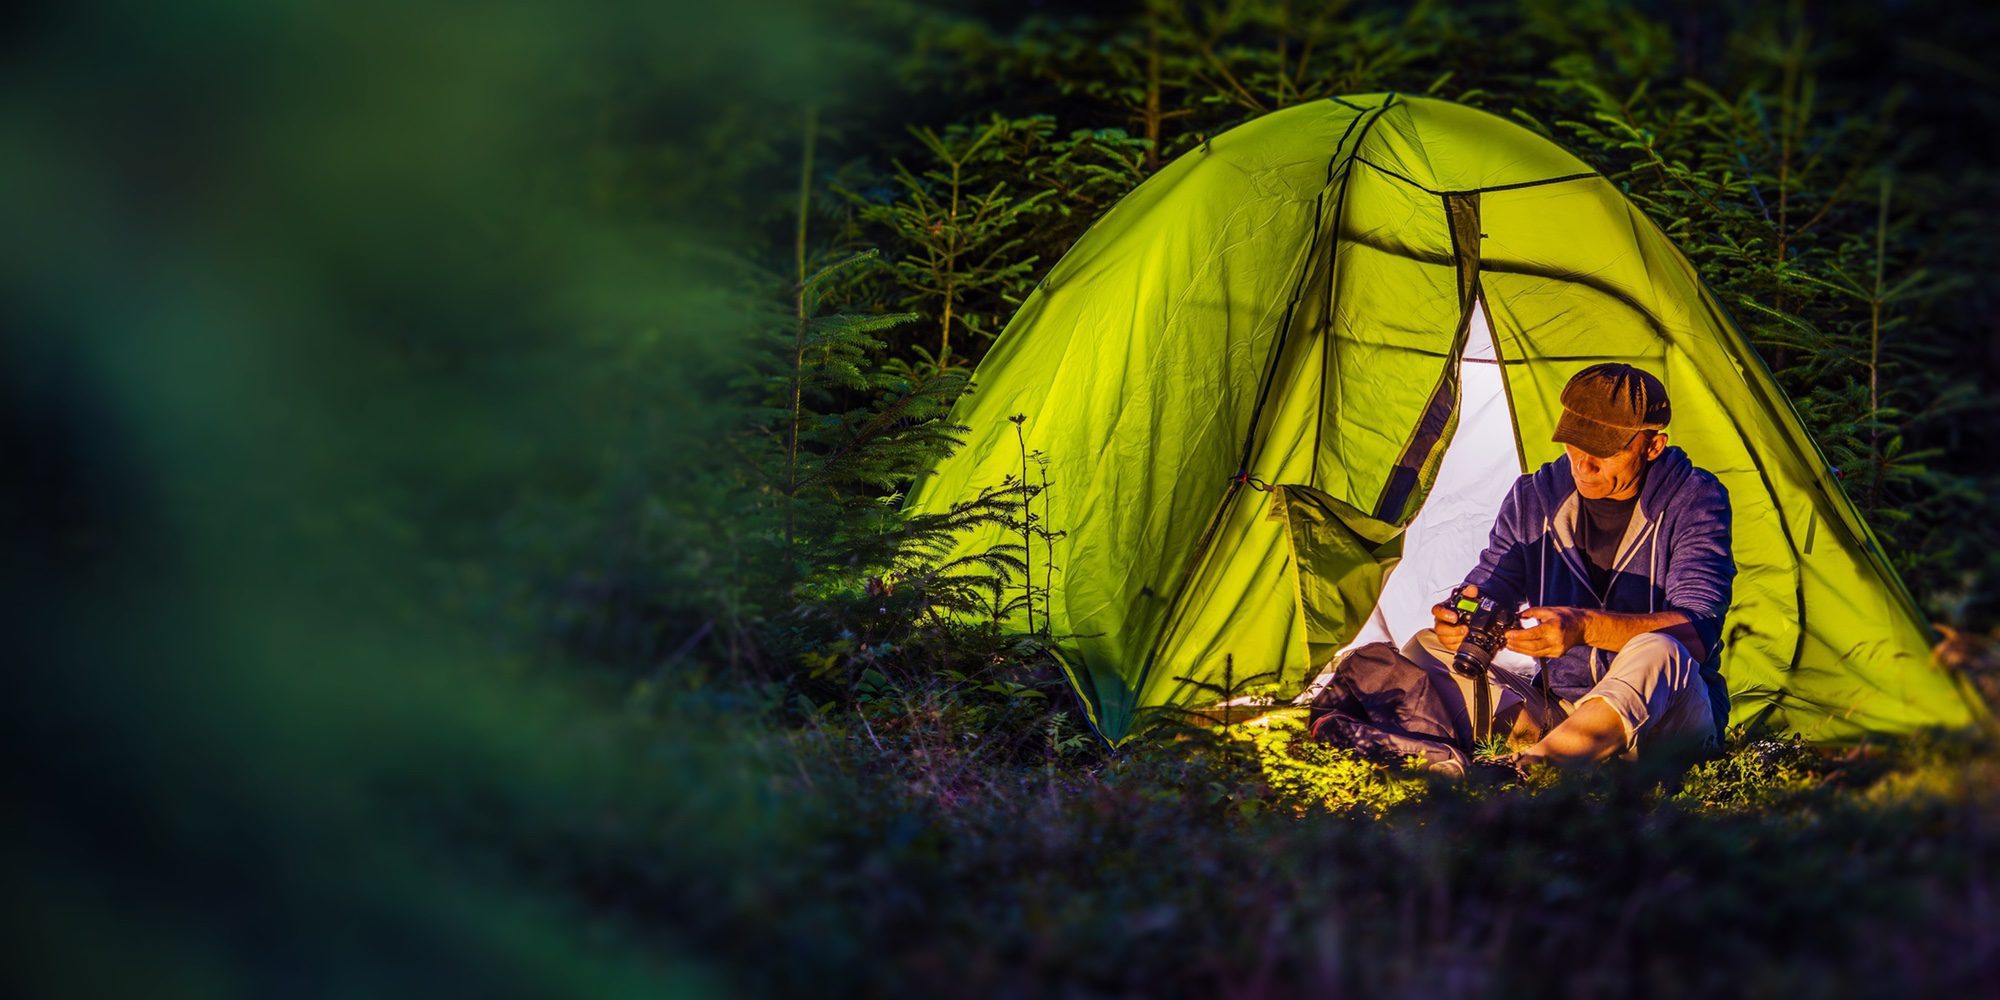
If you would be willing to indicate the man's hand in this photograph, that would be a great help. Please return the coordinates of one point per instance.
(1555, 632)
(1450, 634)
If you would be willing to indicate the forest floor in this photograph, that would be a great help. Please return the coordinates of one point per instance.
(976, 839)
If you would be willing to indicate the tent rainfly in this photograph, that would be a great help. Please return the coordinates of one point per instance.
(1282, 386)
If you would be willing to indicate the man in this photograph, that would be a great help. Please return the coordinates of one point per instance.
(1621, 550)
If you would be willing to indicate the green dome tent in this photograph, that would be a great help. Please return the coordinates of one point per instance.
(1245, 380)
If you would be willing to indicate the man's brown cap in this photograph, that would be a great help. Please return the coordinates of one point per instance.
(1604, 405)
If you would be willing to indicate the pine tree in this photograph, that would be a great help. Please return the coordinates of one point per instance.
(1789, 210)
(958, 222)
(830, 561)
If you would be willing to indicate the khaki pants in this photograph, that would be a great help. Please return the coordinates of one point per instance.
(1654, 684)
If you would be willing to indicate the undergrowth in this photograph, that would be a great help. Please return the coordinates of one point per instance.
(973, 837)
(1304, 774)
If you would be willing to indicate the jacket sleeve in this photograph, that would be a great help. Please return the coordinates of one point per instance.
(1502, 572)
(1700, 568)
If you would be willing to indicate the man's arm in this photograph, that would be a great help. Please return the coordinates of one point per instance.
(1558, 629)
(1697, 583)
(1700, 566)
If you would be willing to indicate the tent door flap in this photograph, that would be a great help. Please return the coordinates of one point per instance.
(1342, 557)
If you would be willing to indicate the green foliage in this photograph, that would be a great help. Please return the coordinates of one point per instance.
(1305, 774)
(968, 225)
(834, 431)
(1754, 777)
(1175, 73)
(831, 578)
(1789, 207)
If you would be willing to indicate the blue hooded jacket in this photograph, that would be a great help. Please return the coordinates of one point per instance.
(1674, 557)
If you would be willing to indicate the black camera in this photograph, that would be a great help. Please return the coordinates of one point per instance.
(1488, 623)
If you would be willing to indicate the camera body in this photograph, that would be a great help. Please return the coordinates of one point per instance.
(1488, 623)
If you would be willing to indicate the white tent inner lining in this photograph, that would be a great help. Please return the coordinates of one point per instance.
(1444, 542)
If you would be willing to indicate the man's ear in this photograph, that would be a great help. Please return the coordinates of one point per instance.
(1656, 447)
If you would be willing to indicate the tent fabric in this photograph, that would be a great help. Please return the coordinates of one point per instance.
(1249, 378)
(1478, 469)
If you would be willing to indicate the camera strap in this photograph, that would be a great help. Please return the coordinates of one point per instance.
(1482, 706)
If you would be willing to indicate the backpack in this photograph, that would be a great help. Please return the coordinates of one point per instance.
(1386, 707)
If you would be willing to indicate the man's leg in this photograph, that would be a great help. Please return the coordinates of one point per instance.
(1652, 693)
(1425, 650)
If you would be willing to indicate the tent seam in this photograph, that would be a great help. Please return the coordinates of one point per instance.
(1332, 269)
(1477, 190)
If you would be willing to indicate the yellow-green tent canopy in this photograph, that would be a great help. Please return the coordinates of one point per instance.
(1245, 376)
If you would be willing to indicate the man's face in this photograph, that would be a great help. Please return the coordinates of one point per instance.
(1617, 477)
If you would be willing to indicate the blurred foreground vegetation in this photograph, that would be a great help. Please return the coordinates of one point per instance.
(455, 531)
